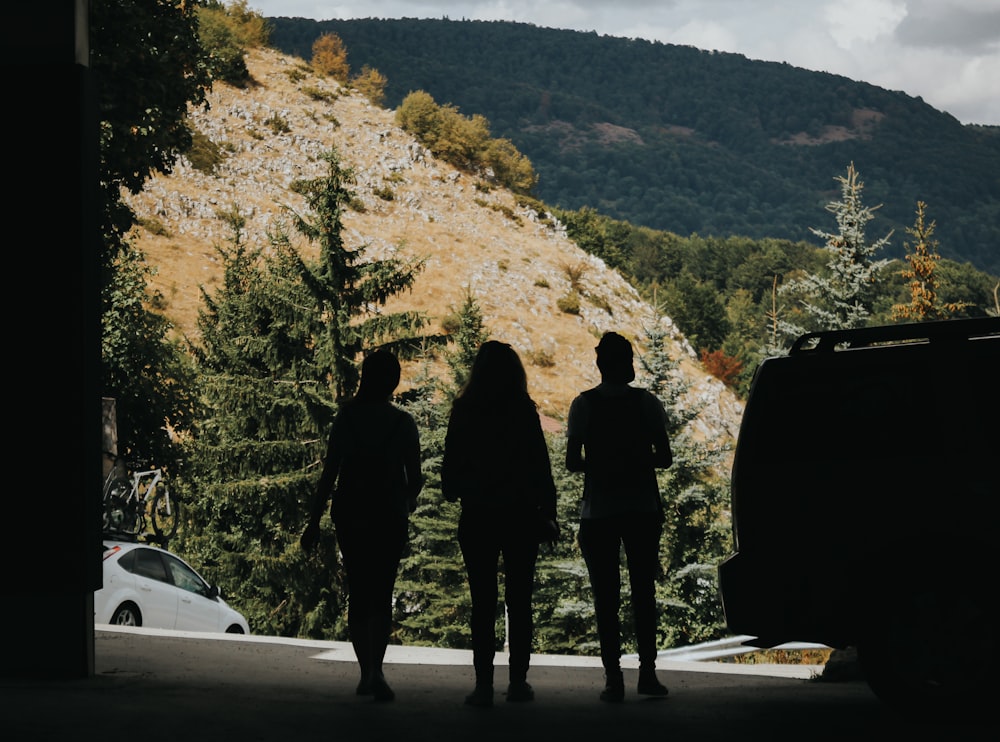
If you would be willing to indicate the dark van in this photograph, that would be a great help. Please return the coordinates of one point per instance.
(865, 487)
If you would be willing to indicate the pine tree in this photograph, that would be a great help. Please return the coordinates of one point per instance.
(468, 336)
(924, 304)
(432, 602)
(432, 590)
(695, 495)
(282, 339)
(563, 605)
(348, 292)
(254, 456)
(843, 298)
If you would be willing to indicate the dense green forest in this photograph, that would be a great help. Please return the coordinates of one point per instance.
(683, 140)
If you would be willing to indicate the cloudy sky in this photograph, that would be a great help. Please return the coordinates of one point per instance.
(944, 51)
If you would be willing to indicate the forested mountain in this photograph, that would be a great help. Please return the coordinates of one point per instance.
(685, 140)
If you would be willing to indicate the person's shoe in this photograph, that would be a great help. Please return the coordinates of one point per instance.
(520, 691)
(649, 685)
(614, 688)
(364, 688)
(381, 690)
(482, 696)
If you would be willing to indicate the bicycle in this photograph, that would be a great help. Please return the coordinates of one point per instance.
(129, 502)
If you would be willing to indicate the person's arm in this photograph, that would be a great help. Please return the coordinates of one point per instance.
(451, 459)
(331, 465)
(411, 463)
(662, 455)
(574, 437)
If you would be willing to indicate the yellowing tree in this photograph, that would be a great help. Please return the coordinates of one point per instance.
(923, 260)
(371, 83)
(330, 57)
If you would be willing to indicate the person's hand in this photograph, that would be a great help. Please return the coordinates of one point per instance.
(309, 537)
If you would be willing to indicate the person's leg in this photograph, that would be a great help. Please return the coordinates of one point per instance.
(519, 558)
(481, 554)
(357, 567)
(387, 542)
(600, 545)
(641, 537)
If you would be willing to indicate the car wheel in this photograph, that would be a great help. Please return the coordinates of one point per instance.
(127, 614)
(234, 629)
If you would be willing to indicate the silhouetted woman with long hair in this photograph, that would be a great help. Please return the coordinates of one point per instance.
(372, 475)
(496, 463)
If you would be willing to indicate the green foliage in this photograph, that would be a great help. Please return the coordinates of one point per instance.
(204, 154)
(219, 32)
(569, 303)
(254, 456)
(469, 333)
(696, 500)
(277, 123)
(384, 192)
(142, 129)
(319, 94)
(348, 292)
(281, 342)
(148, 375)
(844, 296)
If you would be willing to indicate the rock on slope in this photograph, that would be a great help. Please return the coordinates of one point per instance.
(471, 236)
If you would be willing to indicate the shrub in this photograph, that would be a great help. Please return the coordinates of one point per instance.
(204, 154)
(569, 303)
(384, 192)
(152, 225)
(277, 123)
(327, 96)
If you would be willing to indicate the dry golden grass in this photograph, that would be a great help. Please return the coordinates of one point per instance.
(517, 267)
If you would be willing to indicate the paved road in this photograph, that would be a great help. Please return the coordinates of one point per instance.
(152, 686)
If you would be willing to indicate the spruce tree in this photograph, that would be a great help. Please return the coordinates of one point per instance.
(433, 603)
(282, 341)
(696, 498)
(253, 457)
(843, 298)
(565, 622)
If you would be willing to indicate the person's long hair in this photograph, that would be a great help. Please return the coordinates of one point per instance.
(380, 374)
(497, 375)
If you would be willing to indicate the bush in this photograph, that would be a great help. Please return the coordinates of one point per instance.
(204, 154)
(569, 303)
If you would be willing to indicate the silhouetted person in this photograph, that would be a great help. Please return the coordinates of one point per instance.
(496, 462)
(371, 474)
(617, 436)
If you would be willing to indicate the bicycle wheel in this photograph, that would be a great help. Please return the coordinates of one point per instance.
(165, 513)
(121, 517)
(115, 496)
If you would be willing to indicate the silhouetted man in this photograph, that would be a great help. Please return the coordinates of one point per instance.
(617, 436)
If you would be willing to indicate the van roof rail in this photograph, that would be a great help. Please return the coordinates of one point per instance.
(941, 331)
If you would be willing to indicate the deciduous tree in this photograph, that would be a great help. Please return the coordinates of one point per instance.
(329, 57)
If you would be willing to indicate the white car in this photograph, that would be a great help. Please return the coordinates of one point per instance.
(148, 586)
